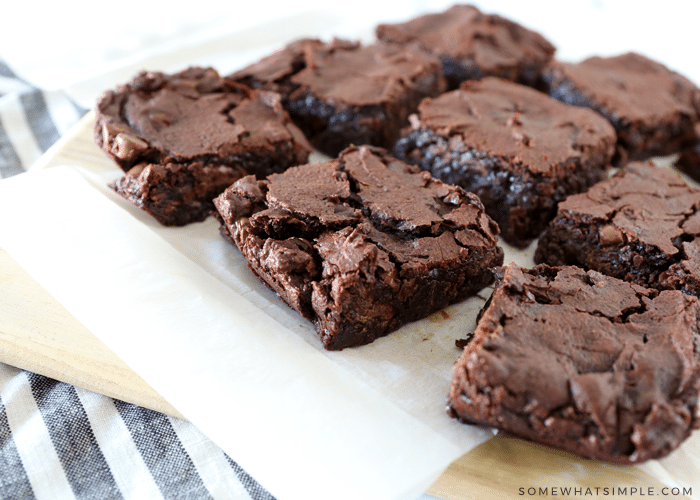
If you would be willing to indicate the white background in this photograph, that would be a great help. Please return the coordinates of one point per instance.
(87, 46)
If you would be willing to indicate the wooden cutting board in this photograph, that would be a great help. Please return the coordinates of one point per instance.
(38, 334)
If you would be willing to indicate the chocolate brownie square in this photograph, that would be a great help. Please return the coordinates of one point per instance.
(342, 93)
(362, 244)
(642, 226)
(652, 108)
(184, 138)
(583, 362)
(472, 45)
(519, 150)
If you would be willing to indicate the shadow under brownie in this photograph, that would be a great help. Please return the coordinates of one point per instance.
(362, 244)
(184, 138)
(652, 108)
(472, 45)
(642, 225)
(519, 150)
(583, 362)
(342, 93)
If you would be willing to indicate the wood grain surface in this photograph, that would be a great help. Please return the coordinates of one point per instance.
(40, 335)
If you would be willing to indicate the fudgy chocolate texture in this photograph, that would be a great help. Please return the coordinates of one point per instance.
(342, 93)
(362, 244)
(652, 108)
(176, 194)
(472, 44)
(520, 151)
(583, 362)
(688, 160)
(184, 138)
(642, 226)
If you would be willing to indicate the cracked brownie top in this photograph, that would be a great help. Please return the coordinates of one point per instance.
(343, 72)
(484, 44)
(641, 225)
(582, 361)
(531, 130)
(365, 189)
(649, 204)
(194, 115)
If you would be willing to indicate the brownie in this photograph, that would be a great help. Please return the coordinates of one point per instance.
(472, 44)
(519, 150)
(652, 108)
(641, 225)
(361, 244)
(583, 362)
(184, 138)
(688, 160)
(342, 93)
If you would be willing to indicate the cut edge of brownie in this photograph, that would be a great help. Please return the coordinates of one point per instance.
(688, 160)
(520, 201)
(352, 278)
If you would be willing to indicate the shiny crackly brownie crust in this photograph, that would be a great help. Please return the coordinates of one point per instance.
(472, 45)
(362, 244)
(642, 225)
(342, 93)
(652, 108)
(583, 362)
(520, 151)
(184, 138)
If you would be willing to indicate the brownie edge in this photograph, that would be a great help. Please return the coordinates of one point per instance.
(583, 362)
(362, 244)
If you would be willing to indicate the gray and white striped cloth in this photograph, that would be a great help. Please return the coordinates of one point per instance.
(58, 441)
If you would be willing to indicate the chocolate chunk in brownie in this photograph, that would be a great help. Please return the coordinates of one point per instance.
(642, 226)
(362, 244)
(583, 362)
(652, 108)
(688, 160)
(184, 138)
(342, 93)
(472, 44)
(519, 150)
